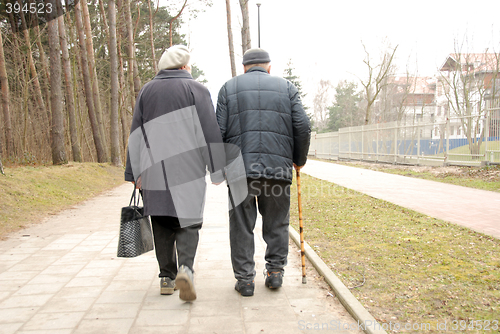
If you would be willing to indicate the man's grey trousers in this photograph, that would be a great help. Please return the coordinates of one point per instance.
(272, 197)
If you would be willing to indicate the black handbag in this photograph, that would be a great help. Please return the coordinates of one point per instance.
(136, 237)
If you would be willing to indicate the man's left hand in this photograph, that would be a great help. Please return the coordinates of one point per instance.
(297, 167)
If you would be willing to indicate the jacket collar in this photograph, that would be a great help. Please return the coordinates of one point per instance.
(257, 69)
(171, 74)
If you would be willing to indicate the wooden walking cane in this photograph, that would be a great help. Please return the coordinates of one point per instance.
(301, 228)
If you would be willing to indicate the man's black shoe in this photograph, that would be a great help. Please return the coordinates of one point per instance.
(245, 288)
(274, 279)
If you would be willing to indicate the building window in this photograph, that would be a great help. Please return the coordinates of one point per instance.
(439, 111)
(458, 130)
(452, 130)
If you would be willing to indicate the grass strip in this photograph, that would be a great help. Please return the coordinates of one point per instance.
(30, 193)
(415, 268)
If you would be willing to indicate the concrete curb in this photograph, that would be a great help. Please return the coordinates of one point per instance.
(351, 304)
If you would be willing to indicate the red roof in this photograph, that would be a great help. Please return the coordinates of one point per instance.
(417, 85)
(472, 62)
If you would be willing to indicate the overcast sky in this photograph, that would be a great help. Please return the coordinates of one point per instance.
(323, 38)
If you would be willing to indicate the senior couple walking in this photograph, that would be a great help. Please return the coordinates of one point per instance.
(257, 135)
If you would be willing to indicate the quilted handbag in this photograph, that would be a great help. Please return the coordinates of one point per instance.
(135, 237)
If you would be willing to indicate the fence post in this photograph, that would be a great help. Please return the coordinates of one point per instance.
(350, 143)
(362, 142)
(338, 147)
(447, 137)
(315, 145)
(487, 134)
(418, 145)
(396, 129)
(377, 143)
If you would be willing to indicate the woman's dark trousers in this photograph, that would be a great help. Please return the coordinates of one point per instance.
(169, 237)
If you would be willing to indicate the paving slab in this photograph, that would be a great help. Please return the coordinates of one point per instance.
(473, 208)
(62, 276)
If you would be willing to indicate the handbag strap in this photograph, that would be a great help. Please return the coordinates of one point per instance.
(135, 199)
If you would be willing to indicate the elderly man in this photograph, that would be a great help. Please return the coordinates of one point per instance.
(262, 115)
(173, 139)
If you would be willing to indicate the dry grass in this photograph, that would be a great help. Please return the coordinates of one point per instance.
(29, 193)
(417, 268)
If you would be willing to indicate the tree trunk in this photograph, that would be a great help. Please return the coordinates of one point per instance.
(113, 57)
(45, 67)
(92, 70)
(70, 98)
(246, 41)
(34, 75)
(171, 22)
(57, 129)
(105, 24)
(124, 97)
(151, 38)
(5, 97)
(15, 40)
(101, 151)
(132, 66)
(374, 85)
(230, 39)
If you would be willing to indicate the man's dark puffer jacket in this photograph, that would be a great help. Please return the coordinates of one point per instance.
(263, 115)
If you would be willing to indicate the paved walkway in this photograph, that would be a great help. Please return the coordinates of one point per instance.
(62, 276)
(473, 208)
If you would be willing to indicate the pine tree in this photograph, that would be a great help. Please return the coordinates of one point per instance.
(290, 76)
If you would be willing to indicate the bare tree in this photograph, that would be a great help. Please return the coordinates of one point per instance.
(5, 101)
(377, 78)
(92, 69)
(151, 37)
(396, 98)
(321, 101)
(172, 20)
(105, 24)
(230, 39)
(34, 74)
(124, 97)
(133, 69)
(70, 98)
(57, 129)
(468, 81)
(127, 93)
(41, 108)
(246, 41)
(99, 144)
(113, 57)
(45, 67)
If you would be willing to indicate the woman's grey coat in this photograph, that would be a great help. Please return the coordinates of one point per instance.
(174, 137)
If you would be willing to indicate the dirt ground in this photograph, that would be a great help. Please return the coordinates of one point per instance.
(488, 173)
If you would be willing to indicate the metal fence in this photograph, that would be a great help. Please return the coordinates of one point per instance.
(469, 140)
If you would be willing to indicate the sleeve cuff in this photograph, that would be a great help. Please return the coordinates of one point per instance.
(217, 177)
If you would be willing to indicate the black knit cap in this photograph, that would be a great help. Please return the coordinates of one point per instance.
(256, 56)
